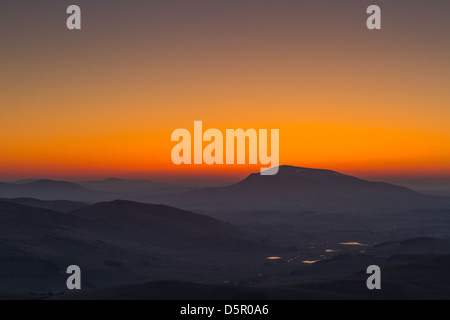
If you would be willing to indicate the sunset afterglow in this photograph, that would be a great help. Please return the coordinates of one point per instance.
(104, 102)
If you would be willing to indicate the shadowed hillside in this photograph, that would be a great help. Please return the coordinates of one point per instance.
(114, 243)
(55, 205)
(160, 223)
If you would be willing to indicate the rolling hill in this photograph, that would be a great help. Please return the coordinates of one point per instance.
(122, 185)
(160, 223)
(132, 188)
(114, 242)
(64, 206)
(48, 190)
(292, 189)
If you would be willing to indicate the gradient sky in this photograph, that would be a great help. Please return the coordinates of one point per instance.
(104, 101)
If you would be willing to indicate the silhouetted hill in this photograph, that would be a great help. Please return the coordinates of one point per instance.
(47, 190)
(122, 185)
(25, 181)
(133, 240)
(132, 189)
(159, 223)
(55, 205)
(89, 191)
(295, 188)
(34, 220)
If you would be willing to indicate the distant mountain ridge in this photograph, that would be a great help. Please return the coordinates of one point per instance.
(88, 191)
(132, 188)
(297, 188)
(121, 185)
(291, 189)
(46, 190)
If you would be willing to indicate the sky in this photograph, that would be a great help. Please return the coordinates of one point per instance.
(103, 101)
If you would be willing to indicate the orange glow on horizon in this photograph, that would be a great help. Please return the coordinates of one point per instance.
(356, 150)
(104, 102)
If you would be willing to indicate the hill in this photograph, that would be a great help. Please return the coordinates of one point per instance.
(55, 205)
(122, 185)
(114, 242)
(48, 190)
(160, 223)
(296, 188)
